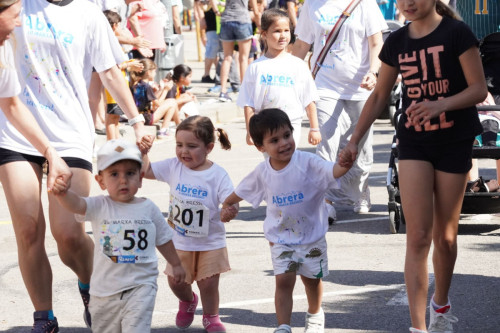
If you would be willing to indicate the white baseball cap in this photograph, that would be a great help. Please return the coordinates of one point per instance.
(117, 150)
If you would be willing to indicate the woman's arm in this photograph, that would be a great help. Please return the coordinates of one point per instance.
(375, 43)
(300, 48)
(249, 113)
(371, 110)
(24, 121)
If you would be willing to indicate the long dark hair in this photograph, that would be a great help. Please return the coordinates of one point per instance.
(445, 10)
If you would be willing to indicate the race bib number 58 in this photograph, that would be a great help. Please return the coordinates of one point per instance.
(188, 217)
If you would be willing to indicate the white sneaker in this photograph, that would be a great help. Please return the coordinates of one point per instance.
(315, 323)
(441, 322)
(283, 328)
(363, 205)
(332, 213)
(416, 330)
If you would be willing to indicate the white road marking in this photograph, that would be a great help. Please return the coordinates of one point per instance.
(243, 304)
(363, 220)
(401, 298)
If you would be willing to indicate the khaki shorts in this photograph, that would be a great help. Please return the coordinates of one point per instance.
(310, 260)
(200, 265)
(129, 311)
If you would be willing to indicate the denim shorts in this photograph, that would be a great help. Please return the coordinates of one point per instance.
(213, 45)
(235, 31)
(7, 156)
(455, 157)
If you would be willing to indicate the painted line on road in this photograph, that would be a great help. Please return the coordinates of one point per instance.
(401, 298)
(242, 304)
(363, 220)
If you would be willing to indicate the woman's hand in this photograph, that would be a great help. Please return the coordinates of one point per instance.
(420, 113)
(59, 177)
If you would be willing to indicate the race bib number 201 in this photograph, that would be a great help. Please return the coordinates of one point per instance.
(188, 217)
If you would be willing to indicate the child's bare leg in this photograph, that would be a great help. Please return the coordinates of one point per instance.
(112, 131)
(314, 292)
(165, 111)
(283, 297)
(209, 293)
(182, 291)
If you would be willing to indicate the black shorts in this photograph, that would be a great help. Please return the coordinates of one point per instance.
(452, 158)
(7, 156)
(114, 109)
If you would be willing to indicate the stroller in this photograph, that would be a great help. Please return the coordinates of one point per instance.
(484, 201)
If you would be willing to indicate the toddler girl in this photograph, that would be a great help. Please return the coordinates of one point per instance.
(186, 101)
(197, 188)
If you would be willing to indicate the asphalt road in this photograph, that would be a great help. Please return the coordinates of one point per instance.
(364, 291)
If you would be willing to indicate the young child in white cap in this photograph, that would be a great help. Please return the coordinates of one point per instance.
(126, 230)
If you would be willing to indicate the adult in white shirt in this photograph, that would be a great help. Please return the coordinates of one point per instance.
(56, 48)
(344, 82)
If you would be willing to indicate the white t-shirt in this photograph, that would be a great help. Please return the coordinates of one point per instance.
(56, 48)
(9, 83)
(108, 4)
(284, 82)
(125, 238)
(295, 196)
(198, 191)
(349, 58)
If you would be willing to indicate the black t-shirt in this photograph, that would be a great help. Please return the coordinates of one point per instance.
(431, 70)
(210, 20)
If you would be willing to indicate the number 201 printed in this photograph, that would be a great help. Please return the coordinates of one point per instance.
(187, 216)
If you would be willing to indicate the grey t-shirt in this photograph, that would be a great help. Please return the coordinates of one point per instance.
(236, 11)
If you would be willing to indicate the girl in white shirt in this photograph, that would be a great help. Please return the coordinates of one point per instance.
(197, 188)
(280, 80)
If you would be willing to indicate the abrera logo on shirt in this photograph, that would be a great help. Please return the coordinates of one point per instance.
(280, 80)
(192, 191)
(288, 199)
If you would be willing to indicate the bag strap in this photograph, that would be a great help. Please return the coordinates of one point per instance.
(332, 36)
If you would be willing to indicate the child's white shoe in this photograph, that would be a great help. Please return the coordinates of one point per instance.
(315, 323)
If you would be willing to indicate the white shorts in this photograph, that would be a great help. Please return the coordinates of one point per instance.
(127, 311)
(309, 260)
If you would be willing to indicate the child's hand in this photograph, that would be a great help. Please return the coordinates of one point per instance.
(146, 143)
(228, 213)
(135, 65)
(179, 273)
(347, 156)
(314, 137)
(60, 186)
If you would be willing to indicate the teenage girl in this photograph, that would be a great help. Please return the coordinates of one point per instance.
(181, 76)
(279, 80)
(197, 188)
(438, 58)
(150, 97)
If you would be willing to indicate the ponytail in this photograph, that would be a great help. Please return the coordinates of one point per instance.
(223, 139)
(445, 10)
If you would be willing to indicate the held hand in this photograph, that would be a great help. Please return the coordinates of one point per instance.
(420, 113)
(179, 273)
(348, 155)
(369, 81)
(146, 143)
(314, 137)
(228, 213)
(58, 171)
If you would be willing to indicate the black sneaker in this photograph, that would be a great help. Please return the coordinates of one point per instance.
(86, 300)
(43, 324)
(207, 79)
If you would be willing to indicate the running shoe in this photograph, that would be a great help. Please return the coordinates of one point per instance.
(283, 328)
(207, 79)
(315, 323)
(363, 205)
(224, 97)
(84, 293)
(185, 315)
(43, 324)
(212, 324)
(441, 320)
